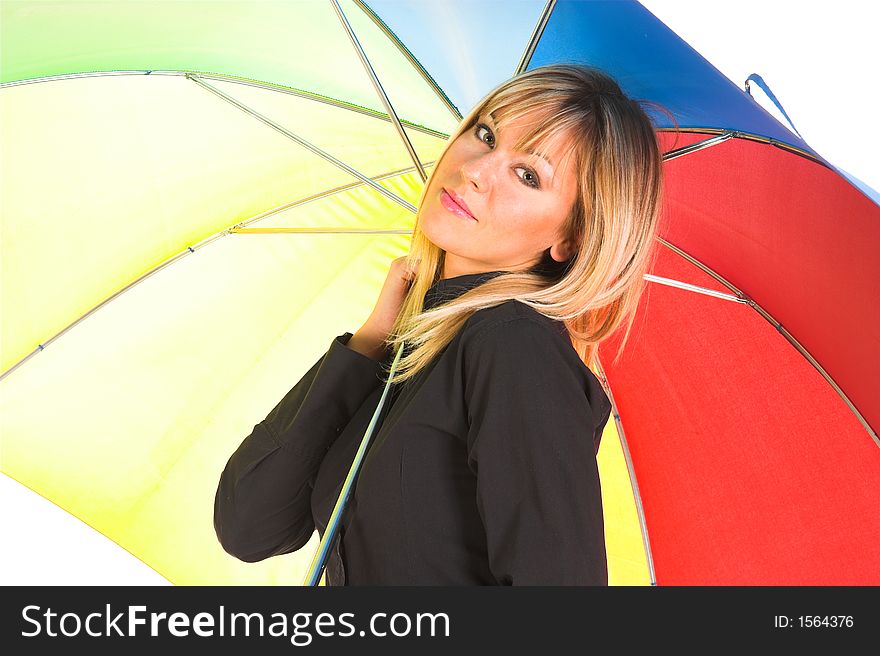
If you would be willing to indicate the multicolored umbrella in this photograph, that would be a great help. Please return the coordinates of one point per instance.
(196, 200)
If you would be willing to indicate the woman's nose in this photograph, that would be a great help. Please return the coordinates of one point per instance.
(475, 171)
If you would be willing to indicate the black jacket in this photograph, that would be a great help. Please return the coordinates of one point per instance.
(482, 470)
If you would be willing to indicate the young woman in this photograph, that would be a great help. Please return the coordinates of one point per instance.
(531, 241)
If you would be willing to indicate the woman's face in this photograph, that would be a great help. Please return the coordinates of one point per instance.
(518, 207)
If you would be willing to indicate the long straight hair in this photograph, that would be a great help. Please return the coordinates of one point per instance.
(613, 221)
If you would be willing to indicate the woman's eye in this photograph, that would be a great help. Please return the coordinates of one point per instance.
(530, 178)
(481, 126)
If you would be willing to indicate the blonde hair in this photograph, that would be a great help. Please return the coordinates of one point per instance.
(613, 222)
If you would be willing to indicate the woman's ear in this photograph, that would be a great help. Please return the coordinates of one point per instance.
(562, 250)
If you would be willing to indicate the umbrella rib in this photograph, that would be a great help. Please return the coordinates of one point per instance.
(694, 288)
(371, 72)
(299, 93)
(637, 496)
(322, 231)
(240, 228)
(309, 146)
(222, 233)
(698, 145)
(724, 134)
(410, 57)
(744, 298)
(536, 36)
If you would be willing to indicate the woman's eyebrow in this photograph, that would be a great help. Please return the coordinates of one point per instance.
(546, 158)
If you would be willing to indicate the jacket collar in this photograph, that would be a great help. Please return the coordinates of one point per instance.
(447, 289)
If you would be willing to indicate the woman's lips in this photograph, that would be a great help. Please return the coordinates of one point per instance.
(447, 201)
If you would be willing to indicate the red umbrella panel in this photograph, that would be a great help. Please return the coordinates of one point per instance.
(745, 402)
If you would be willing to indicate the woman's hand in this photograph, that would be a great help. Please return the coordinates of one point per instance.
(370, 338)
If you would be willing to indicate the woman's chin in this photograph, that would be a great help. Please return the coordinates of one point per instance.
(432, 227)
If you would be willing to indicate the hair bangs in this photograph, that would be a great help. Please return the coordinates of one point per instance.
(551, 124)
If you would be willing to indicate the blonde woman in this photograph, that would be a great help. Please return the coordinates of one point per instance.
(532, 237)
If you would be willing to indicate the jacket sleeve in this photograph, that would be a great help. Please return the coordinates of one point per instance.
(530, 443)
(262, 506)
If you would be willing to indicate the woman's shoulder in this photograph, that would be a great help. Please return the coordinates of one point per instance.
(516, 328)
(510, 319)
(514, 331)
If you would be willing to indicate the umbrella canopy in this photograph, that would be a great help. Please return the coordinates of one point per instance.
(221, 187)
